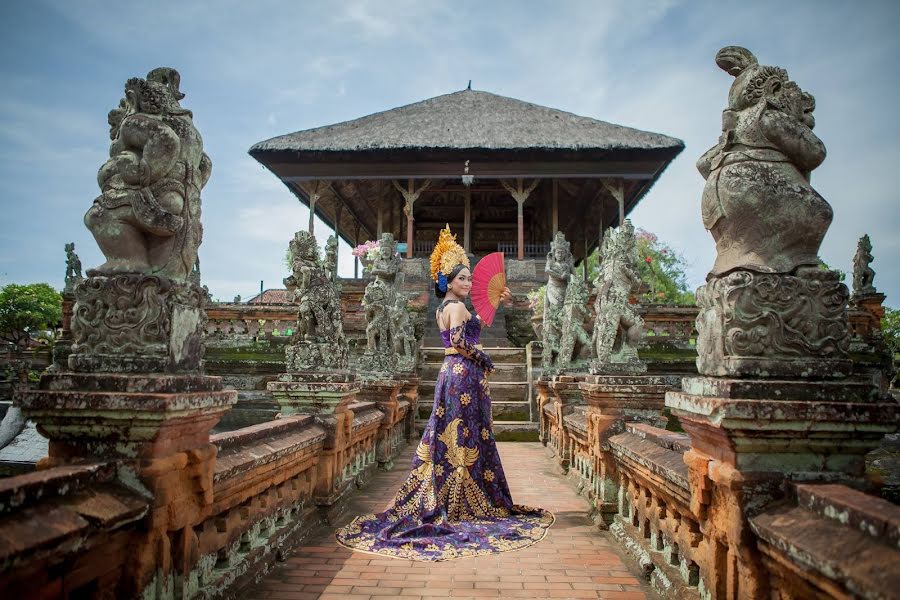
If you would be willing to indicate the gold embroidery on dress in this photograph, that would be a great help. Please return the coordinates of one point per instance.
(417, 493)
(463, 497)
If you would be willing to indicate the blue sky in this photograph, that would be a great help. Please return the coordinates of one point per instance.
(253, 70)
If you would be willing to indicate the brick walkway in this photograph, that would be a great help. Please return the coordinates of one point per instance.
(575, 560)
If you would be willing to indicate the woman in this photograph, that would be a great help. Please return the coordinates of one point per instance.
(456, 501)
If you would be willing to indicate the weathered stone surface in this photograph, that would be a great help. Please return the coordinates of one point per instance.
(98, 416)
(774, 325)
(147, 219)
(575, 339)
(617, 326)
(134, 323)
(799, 549)
(758, 203)
(73, 269)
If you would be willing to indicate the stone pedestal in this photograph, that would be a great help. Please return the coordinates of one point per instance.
(155, 429)
(765, 325)
(805, 429)
(327, 396)
(612, 401)
(565, 397)
(385, 394)
(409, 391)
(137, 323)
(91, 416)
(377, 364)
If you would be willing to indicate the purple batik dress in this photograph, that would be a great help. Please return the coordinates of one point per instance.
(456, 501)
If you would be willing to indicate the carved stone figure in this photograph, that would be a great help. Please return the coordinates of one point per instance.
(767, 308)
(574, 313)
(378, 326)
(863, 274)
(559, 270)
(73, 269)
(618, 326)
(237, 299)
(403, 333)
(318, 342)
(331, 258)
(147, 218)
(386, 265)
(758, 203)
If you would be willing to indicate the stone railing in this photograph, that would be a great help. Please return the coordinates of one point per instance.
(260, 490)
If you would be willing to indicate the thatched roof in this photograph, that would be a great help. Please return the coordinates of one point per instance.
(469, 120)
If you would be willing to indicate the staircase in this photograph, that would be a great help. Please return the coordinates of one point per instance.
(513, 412)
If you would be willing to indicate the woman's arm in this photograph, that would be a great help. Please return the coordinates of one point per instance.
(458, 318)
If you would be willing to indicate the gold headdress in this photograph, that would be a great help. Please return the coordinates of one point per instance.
(446, 255)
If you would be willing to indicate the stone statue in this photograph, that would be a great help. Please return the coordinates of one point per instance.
(404, 335)
(617, 326)
(73, 269)
(147, 218)
(574, 313)
(863, 274)
(758, 203)
(767, 308)
(386, 265)
(331, 258)
(143, 309)
(318, 342)
(378, 325)
(559, 270)
(237, 299)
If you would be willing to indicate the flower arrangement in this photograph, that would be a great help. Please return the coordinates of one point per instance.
(367, 251)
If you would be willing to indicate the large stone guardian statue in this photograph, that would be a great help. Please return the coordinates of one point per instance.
(559, 270)
(142, 310)
(618, 326)
(767, 307)
(147, 217)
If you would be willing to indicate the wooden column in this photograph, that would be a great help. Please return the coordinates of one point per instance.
(379, 226)
(410, 195)
(555, 206)
(616, 188)
(356, 258)
(467, 223)
(314, 194)
(520, 194)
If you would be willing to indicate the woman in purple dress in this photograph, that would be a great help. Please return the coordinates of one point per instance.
(456, 501)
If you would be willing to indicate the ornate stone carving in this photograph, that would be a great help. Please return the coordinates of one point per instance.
(758, 204)
(770, 324)
(559, 270)
(318, 343)
(147, 218)
(863, 274)
(618, 326)
(386, 265)
(379, 356)
(403, 332)
(331, 260)
(574, 314)
(137, 323)
(73, 269)
(767, 308)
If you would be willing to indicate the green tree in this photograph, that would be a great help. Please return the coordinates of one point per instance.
(661, 268)
(26, 309)
(890, 328)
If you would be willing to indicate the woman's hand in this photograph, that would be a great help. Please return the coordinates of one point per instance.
(506, 297)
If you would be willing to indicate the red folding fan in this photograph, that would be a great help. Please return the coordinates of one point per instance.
(488, 281)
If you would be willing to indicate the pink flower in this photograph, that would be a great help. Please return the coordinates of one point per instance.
(648, 260)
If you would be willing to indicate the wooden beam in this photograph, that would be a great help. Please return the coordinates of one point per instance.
(350, 210)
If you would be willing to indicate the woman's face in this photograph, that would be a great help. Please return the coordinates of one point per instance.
(462, 283)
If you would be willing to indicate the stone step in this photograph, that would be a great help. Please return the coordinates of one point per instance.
(503, 412)
(502, 372)
(501, 391)
(498, 354)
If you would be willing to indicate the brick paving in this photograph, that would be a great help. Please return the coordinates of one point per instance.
(574, 560)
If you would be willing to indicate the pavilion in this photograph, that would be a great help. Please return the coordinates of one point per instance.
(505, 174)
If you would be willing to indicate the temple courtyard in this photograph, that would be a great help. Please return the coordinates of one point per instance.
(574, 560)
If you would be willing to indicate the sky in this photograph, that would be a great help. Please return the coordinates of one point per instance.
(255, 70)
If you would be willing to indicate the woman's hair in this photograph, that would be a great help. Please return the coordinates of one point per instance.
(450, 277)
